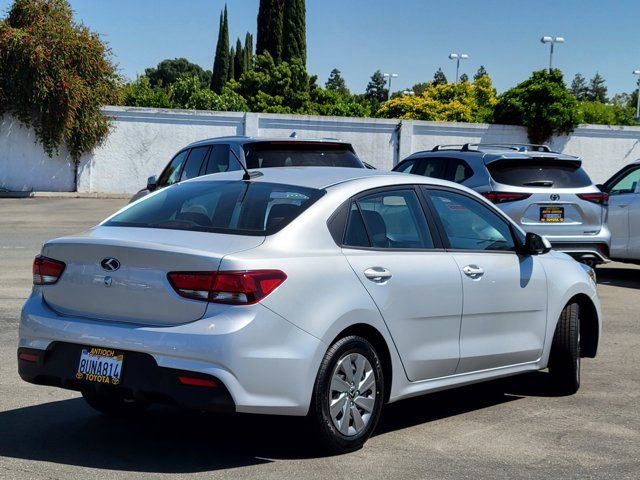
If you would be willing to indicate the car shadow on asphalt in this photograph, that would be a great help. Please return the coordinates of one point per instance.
(170, 440)
(619, 277)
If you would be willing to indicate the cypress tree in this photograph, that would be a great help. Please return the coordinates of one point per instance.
(238, 60)
(270, 24)
(231, 74)
(221, 62)
(248, 52)
(294, 44)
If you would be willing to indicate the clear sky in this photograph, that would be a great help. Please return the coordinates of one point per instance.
(409, 37)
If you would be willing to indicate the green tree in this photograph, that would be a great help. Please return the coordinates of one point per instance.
(480, 73)
(294, 39)
(168, 71)
(220, 73)
(141, 93)
(579, 87)
(619, 112)
(376, 92)
(270, 28)
(55, 75)
(248, 53)
(420, 88)
(597, 89)
(464, 77)
(542, 104)
(231, 73)
(227, 101)
(238, 60)
(439, 77)
(336, 83)
(334, 103)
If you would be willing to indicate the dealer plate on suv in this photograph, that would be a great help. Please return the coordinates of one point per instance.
(100, 365)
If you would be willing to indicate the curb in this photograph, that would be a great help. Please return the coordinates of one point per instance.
(4, 194)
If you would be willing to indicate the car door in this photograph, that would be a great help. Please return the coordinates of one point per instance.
(415, 284)
(505, 294)
(624, 203)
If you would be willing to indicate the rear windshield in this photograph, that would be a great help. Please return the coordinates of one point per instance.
(243, 208)
(539, 173)
(290, 154)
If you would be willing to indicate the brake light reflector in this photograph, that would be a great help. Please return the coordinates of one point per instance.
(601, 198)
(197, 382)
(46, 271)
(233, 288)
(502, 197)
(28, 357)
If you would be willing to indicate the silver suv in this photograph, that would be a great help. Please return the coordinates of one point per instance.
(545, 192)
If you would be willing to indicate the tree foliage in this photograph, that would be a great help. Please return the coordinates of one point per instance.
(294, 36)
(464, 77)
(220, 74)
(168, 71)
(606, 114)
(336, 83)
(542, 104)
(55, 76)
(597, 91)
(448, 102)
(270, 28)
(482, 72)
(579, 87)
(376, 92)
(439, 78)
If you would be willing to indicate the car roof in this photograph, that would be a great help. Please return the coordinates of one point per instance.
(321, 177)
(493, 154)
(243, 140)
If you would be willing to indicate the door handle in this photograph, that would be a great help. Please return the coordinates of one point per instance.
(473, 271)
(623, 206)
(377, 274)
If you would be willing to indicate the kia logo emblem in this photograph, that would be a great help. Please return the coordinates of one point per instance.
(110, 264)
(555, 197)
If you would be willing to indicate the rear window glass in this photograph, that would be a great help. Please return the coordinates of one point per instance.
(539, 173)
(290, 154)
(244, 208)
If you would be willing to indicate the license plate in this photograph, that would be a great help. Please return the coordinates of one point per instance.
(552, 214)
(100, 365)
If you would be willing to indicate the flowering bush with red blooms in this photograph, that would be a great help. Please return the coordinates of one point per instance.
(55, 75)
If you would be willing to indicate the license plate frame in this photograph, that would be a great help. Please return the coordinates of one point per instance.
(98, 365)
(552, 214)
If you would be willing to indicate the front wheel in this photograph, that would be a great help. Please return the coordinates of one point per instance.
(564, 359)
(348, 394)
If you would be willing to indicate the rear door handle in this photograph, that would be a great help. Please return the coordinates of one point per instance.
(473, 271)
(377, 274)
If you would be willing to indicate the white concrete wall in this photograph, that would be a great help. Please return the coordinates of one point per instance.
(143, 140)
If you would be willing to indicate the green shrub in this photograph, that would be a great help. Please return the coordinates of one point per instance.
(606, 114)
(227, 101)
(55, 76)
(141, 94)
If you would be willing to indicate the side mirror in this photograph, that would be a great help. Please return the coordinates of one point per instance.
(535, 244)
(152, 183)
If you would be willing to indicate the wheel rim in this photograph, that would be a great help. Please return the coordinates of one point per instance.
(352, 394)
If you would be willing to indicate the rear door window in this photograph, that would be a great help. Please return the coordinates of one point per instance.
(171, 173)
(194, 163)
(431, 167)
(219, 160)
(459, 171)
(544, 173)
(300, 154)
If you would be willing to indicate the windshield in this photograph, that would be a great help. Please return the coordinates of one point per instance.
(298, 154)
(544, 173)
(244, 208)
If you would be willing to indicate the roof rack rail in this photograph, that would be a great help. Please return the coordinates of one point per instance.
(519, 147)
(447, 147)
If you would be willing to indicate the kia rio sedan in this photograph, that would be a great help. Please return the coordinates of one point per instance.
(324, 292)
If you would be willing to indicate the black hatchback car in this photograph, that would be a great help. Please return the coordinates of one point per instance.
(223, 154)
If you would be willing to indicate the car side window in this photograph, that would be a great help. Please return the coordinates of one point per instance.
(171, 173)
(469, 225)
(219, 160)
(388, 219)
(432, 167)
(406, 167)
(194, 163)
(459, 171)
(627, 184)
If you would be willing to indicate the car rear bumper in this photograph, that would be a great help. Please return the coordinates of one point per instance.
(265, 363)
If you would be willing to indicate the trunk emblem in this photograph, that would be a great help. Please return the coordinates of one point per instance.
(107, 281)
(555, 197)
(110, 264)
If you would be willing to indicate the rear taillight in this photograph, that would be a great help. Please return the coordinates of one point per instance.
(46, 271)
(502, 197)
(233, 288)
(600, 198)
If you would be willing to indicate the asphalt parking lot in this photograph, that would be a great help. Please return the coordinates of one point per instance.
(504, 429)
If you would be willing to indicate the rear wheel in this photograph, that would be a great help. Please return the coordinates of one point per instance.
(348, 394)
(113, 403)
(564, 359)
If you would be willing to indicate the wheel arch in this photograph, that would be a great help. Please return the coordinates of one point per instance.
(589, 325)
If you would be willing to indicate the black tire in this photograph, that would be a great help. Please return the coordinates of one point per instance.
(564, 359)
(114, 404)
(331, 438)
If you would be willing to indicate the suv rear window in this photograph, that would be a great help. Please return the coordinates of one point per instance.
(544, 173)
(242, 208)
(299, 154)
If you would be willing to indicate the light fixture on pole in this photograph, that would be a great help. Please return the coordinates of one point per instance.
(389, 76)
(637, 72)
(457, 57)
(408, 92)
(552, 41)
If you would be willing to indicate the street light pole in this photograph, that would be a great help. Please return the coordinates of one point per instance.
(389, 76)
(637, 72)
(552, 41)
(457, 57)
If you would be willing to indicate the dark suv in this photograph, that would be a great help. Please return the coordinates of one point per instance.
(545, 192)
(224, 154)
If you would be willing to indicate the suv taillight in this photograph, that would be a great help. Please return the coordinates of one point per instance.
(233, 288)
(600, 198)
(502, 197)
(46, 271)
